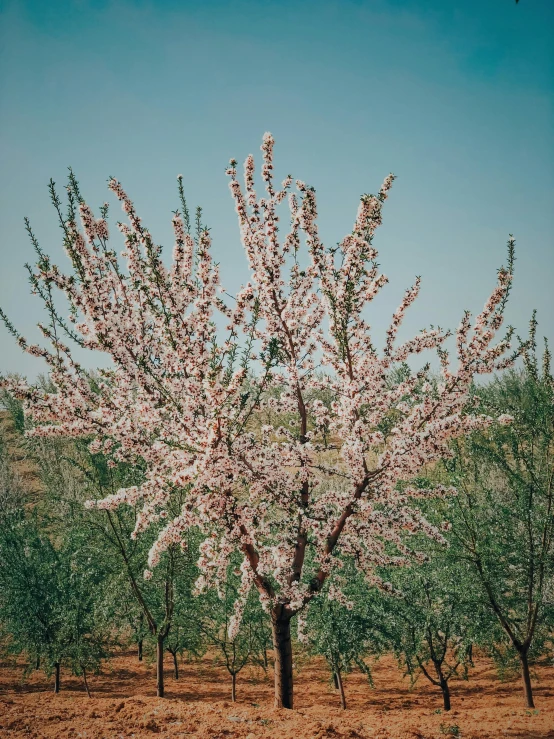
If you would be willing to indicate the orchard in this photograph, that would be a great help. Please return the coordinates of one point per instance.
(253, 478)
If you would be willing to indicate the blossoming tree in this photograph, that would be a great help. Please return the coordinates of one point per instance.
(185, 399)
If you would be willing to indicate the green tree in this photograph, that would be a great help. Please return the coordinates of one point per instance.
(503, 515)
(72, 474)
(50, 600)
(345, 630)
(236, 639)
(12, 491)
(435, 621)
(185, 635)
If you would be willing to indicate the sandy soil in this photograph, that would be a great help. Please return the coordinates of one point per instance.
(197, 705)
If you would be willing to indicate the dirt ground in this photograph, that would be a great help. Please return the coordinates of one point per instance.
(123, 705)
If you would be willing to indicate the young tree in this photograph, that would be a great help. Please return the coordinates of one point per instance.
(237, 642)
(154, 608)
(70, 473)
(185, 634)
(503, 515)
(155, 604)
(345, 627)
(181, 400)
(50, 598)
(436, 621)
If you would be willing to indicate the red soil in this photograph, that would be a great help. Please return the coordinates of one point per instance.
(197, 705)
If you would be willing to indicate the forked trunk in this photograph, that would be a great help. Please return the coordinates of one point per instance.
(527, 689)
(341, 688)
(233, 686)
(57, 677)
(160, 666)
(175, 666)
(283, 658)
(140, 650)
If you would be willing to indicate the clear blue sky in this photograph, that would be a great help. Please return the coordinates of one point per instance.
(453, 96)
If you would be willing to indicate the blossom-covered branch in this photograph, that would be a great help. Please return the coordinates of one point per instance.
(186, 400)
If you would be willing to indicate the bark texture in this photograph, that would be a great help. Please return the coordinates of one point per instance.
(527, 689)
(283, 658)
(445, 694)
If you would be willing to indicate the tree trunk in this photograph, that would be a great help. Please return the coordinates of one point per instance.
(57, 677)
(335, 681)
(233, 686)
(86, 682)
(445, 694)
(283, 658)
(527, 689)
(37, 663)
(175, 666)
(140, 650)
(341, 688)
(160, 666)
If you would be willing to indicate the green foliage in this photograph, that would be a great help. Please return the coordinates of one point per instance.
(12, 492)
(50, 598)
(346, 631)
(14, 408)
(234, 647)
(435, 623)
(184, 636)
(503, 516)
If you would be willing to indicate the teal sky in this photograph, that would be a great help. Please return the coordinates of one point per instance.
(453, 96)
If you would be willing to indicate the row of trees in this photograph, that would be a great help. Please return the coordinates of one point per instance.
(73, 588)
(286, 438)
